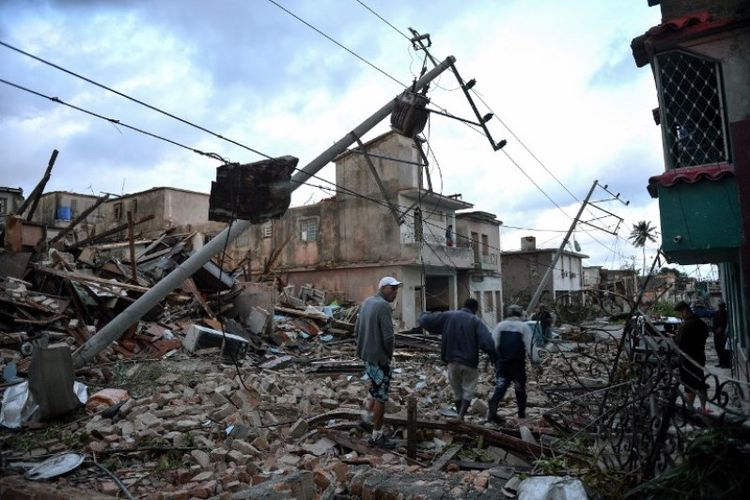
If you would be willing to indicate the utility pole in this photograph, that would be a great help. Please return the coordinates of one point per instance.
(551, 268)
(133, 313)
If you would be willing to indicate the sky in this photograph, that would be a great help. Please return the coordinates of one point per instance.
(559, 77)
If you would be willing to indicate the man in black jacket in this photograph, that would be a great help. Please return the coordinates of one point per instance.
(691, 339)
(463, 335)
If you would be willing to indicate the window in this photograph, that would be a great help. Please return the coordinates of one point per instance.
(267, 229)
(691, 109)
(475, 245)
(485, 245)
(3, 206)
(488, 306)
(118, 210)
(309, 229)
(74, 208)
(134, 206)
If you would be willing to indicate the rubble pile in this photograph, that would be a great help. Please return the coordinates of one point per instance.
(235, 389)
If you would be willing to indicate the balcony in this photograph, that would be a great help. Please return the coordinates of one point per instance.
(435, 254)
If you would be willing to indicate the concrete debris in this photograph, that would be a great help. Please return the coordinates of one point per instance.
(234, 389)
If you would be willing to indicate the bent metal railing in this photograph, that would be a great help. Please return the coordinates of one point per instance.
(622, 395)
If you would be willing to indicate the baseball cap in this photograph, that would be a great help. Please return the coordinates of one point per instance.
(388, 280)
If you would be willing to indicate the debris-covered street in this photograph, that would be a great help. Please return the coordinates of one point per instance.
(172, 419)
(307, 250)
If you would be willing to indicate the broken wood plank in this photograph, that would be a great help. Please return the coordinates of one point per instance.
(511, 442)
(131, 245)
(411, 427)
(446, 457)
(389, 419)
(36, 193)
(110, 232)
(362, 448)
(62, 234)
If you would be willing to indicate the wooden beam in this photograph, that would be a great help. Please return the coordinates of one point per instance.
(411, 427)
(446, 457)
(109, 232)
(62, 234)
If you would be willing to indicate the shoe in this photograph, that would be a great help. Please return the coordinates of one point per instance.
(464, 408)
(365, 425)
(382, 442)
(492, 412)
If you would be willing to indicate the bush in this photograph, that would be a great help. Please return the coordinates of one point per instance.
(662, 309)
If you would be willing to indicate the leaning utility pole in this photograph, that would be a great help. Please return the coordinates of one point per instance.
(548, 273)
(127, 318)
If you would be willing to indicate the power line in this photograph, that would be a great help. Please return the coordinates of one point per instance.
(149, 106)
(332, 40)
(114, 121)
(383, 19)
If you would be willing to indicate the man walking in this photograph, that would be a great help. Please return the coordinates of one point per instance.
(375, 341)
(512, 338)
(720, 323)
(691, 339)
(463, 334)
(544, 318)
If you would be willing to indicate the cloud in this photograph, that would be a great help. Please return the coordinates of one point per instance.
(554, 72)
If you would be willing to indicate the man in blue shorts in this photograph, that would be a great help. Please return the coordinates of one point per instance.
(375, 341)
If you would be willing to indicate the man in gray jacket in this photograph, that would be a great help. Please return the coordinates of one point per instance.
(375, 341)
(512, 339)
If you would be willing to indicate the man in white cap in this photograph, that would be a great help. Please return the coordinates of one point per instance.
(375, 341)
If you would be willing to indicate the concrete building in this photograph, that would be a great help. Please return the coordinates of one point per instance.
(524, 269)
(10, 200)
(171, 208)
(698, 56)
(57, 209)
(382, 222)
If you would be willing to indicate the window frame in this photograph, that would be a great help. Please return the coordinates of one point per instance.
(669, 138)
(304, 224)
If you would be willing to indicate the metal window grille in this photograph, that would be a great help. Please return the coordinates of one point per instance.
(309, 229)
(692, 111)
(267, 229)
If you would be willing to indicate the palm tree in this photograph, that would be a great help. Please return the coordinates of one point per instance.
(642, 233)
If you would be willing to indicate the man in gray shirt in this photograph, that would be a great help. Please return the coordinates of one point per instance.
(375, 340)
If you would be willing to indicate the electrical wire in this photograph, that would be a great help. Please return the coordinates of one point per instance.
(114, 121)
(137, 101)
(384, 20)
(339, 44)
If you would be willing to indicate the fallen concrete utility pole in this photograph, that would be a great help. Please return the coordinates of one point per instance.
(548, 273)
(115, 328)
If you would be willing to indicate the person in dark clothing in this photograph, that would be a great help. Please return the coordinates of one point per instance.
(544, 318)
(463, 335)
(449, 236)
(720, 323)
(691, 339)
(512, 338)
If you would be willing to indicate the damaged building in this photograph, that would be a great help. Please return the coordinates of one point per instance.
(346, 243)
(698, 56)
(524, 268)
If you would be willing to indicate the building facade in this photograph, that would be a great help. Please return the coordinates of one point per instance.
(524, 269)
(383, 221)
(699, 58)
(10, 200)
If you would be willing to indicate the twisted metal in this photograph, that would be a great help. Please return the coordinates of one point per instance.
(623, 397)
